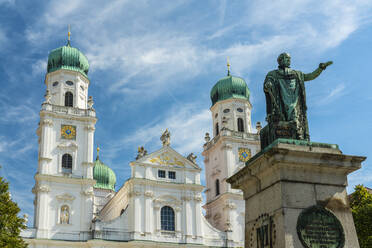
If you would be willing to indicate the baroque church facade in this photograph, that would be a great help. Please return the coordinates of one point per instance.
(160, 205)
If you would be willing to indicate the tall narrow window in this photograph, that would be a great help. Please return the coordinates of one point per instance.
(167, 218)
(240, 125)
(217, 129)
(66, 163)
(217, 187)
(69, 99)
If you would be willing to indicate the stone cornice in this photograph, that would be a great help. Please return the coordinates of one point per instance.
(68, 116)
(224, 197)
(88, 164)
(45, 159)
(63, 179)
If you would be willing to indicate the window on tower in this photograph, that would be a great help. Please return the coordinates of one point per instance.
(240, 125)
(167, 218)
(69, 99)
(67, 163)
(217, 187)
(217, 129)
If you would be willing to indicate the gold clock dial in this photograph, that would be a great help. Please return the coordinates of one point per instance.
(244, 154)
(68, 132)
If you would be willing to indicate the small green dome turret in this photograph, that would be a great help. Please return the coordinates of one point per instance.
(68, 58)
(229, 87)
(104, 175)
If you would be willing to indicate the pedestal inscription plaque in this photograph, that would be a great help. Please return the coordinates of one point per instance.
(318, 227)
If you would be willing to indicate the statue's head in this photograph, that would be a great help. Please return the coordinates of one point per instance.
(284, 60)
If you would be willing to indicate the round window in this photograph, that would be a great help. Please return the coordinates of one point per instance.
(69, 83)
(55, 84)
(226, 111)
(240, 110)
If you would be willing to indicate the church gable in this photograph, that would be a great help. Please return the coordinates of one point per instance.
(168, 157)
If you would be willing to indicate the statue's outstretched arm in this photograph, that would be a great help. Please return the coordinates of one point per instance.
(316, 73)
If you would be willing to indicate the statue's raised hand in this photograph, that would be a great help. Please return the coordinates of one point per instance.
(323, 66)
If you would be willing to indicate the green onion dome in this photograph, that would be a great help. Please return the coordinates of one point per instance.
(104, 176)
(68, 58)
(229, 87)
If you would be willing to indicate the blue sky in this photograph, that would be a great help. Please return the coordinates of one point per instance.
(153, 63)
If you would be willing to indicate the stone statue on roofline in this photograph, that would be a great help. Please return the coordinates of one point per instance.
(285, 94)
(165, 138)
(141, 152)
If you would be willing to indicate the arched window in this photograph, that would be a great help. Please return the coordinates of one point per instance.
(167, 218)
(217, 129)
(217, 187)
(66, 163)
(69, 99)
(240, 125)
(64, 217)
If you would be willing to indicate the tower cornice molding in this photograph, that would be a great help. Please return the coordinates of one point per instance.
(64, 179)
(88, 164)
(73, 114)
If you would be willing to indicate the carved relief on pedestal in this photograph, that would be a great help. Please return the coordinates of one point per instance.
(263, 232)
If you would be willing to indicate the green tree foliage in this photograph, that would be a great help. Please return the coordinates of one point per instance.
(10, 224)
(361, 207)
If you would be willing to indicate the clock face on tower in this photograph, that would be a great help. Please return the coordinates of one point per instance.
(68, 132)
(244, 154)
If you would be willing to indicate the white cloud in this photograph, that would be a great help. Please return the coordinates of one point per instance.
(39, 67)
(334, 94)
(187, 124)
(145, 52)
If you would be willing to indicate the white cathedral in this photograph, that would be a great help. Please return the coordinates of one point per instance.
(160, 205)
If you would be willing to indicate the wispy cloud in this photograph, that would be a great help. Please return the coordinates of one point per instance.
(187, 124)
(334, 94)
(154, 59)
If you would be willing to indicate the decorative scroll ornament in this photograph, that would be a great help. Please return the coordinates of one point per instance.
(47, 97)
(90, 102)
(65, 197)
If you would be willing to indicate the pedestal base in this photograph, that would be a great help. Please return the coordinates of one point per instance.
(285, 179)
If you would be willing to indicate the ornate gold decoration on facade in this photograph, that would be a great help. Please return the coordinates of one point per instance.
(68, 132)
(167, 159)
(244, 154)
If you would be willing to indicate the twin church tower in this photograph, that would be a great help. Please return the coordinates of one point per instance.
(76, 204)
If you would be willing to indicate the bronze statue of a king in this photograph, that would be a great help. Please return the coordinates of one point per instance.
(286, 102)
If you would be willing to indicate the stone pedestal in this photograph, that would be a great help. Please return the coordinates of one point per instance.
(288, 177)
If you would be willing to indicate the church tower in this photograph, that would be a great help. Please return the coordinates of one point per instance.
(232, 145)
(64, 180)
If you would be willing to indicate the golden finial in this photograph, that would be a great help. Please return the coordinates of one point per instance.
(98, 152)
(228, 66)
(69, 33)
